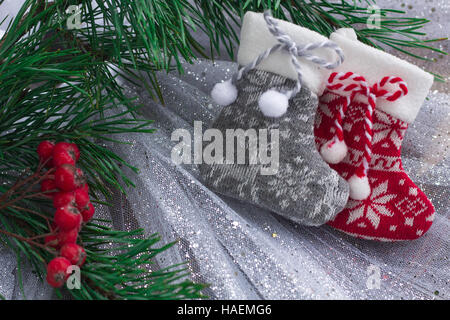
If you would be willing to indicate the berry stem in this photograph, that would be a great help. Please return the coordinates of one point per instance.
(30, 211)
(21, 182)
(28, 240)
(32, 180)
(42, 236)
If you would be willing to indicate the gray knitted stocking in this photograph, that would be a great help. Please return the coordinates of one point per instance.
(297, 184)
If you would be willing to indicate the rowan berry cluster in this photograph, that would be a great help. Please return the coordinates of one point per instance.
(69, 191)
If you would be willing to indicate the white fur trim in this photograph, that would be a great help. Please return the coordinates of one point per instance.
(359, 187)
(374, 64)
(224, 93)
(256, 38)
(273, 103)
(333, 151)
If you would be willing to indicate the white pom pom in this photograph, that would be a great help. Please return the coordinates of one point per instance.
(359, 187)
(224, 93)
(333, 151)
(273, 103)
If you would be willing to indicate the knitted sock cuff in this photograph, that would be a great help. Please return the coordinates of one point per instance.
(374, 64)
(256, 38)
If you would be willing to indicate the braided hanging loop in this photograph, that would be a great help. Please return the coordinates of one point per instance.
(274, 103)
(334, 151)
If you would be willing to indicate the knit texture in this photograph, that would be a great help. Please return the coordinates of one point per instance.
(396, 208)
(304, 190)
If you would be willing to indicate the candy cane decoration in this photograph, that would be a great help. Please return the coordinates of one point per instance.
(335, 150)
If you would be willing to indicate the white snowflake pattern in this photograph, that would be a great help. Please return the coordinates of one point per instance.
(373, 208)
(389, 128)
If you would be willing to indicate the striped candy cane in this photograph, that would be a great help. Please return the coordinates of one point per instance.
(334, 151)
(346, 85)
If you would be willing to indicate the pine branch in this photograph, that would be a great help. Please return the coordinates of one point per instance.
(155, 35)
(54, 85)
(397, 31)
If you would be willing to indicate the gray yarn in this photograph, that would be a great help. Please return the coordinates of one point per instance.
(305, 189)
(286, 43)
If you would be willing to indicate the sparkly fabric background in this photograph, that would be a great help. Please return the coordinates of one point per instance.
(248, 253)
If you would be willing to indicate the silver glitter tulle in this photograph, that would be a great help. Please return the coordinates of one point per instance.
(248, 253)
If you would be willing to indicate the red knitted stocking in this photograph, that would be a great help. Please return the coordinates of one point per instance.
(363, 144)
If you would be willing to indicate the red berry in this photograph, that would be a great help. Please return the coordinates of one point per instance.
(52, 241)
(74, 253)
(68, 178)
(81, 198)
(45, 150)
(61, 158)
(75, 151)
(61, 199)
(88, 213)
(65, 153)
(48, 185)
(65, 237)
(56, 272)
(67, 217)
